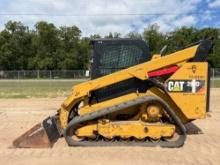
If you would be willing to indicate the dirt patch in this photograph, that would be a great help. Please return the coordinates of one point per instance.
(202, 145)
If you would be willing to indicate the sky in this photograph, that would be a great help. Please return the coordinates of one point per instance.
(104, 16)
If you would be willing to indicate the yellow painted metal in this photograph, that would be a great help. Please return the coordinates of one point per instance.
(87, 131)
(156, 56)
(139, 71)
(108, 103)
(126, 129)
(161, 94)
(192, 104)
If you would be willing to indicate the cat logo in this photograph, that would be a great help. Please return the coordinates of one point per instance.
(175, 86)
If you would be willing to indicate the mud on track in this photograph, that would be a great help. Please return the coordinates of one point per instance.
(18, 115)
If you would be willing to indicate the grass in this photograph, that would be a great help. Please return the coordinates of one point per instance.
(36, 88)
(215, 83)
(46, 88)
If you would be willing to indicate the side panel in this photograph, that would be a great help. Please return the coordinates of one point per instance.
(188, 87)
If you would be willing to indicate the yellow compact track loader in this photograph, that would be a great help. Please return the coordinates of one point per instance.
(132, 98)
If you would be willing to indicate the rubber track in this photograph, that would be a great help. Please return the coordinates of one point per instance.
(74, 123)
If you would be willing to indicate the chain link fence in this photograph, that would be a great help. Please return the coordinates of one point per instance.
(43, 74)
(64, 74)
(215, 77)
(215, 73)
(74, 74)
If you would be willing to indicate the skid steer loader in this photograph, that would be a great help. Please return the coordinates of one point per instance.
(133, 98)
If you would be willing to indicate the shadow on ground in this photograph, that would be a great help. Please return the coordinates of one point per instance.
(192, 129)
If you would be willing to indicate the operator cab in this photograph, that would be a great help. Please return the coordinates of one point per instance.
(111, 55)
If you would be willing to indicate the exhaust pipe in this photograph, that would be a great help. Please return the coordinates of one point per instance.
(42, 135)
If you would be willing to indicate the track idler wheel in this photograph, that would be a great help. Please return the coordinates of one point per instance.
(42, 135)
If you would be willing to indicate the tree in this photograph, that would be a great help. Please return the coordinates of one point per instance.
(84, 52)
(134, 35)
(75, 55)
(154, 38)
(94, 36)
(15, 46)
(46, 42)
(113, 35)
(182, 37)
(50, 47)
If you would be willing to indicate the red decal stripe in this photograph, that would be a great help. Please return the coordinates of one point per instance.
(162, 72)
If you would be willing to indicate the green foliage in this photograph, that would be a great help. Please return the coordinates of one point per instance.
(113, 35)
(154, 38)
(15, 46)
(95, 36)
(45, 47)
(134, 35)
(50, 47)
